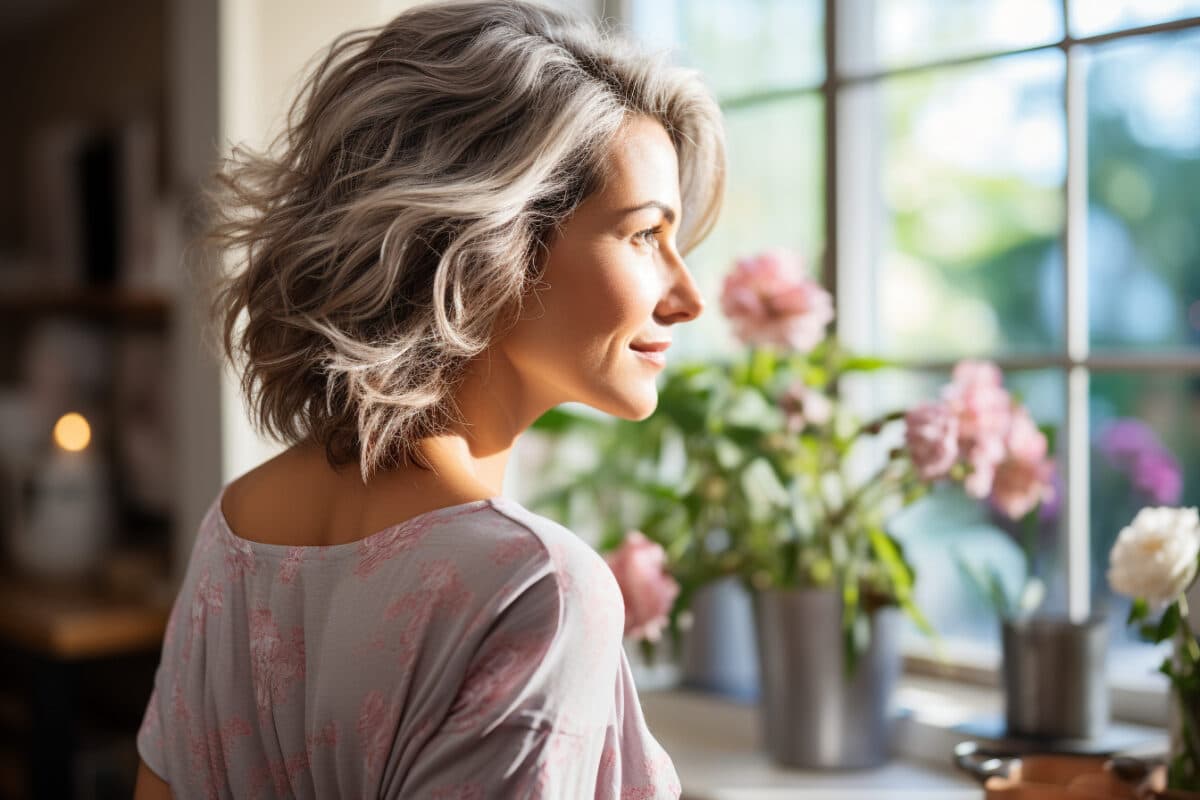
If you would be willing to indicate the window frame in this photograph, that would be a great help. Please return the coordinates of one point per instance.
(1076, 360)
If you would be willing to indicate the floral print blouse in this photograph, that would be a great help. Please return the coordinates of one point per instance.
(470, 652)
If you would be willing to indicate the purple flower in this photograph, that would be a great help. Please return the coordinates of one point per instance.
(1132, 447)
(1123, 440)
(1157, 475)
(1052, 506)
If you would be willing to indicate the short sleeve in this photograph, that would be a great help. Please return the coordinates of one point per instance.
(150, 741)
(535, 716)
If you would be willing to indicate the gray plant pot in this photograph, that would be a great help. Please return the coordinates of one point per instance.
(1055, 682)
(813, 714)
(720, 654)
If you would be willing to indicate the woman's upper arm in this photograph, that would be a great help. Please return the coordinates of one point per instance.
(149, 786)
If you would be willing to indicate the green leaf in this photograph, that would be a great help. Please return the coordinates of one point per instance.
(986, 583)
(850, 615)
(728, 454)
(890, 555)
(865, 364)
(1168, 623)
(748, 408)
(1138, 611)
(888, 552)
(763, 490)
(762, 366)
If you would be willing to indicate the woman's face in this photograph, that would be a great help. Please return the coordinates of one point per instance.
(617, 286)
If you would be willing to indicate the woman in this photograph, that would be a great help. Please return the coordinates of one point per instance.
(477, 212)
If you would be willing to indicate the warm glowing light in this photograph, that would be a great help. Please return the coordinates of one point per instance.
(72, 432)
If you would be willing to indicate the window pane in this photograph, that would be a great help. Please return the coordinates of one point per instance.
(893, 33)
(948, 526)
(1144, 169)
(963, 213)
(773, 199)
(1145, 451)
(741, 46)
(1091, 17)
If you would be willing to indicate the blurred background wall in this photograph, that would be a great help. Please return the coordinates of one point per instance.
(117, 423)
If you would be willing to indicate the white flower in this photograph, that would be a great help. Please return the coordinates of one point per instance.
(1155, 557)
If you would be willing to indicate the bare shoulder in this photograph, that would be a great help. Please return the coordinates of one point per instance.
(297, 499)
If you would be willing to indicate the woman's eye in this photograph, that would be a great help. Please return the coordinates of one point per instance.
(648, 236)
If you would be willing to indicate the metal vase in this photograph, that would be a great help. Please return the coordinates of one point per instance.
(719, 651)
(1055, 678)
(813, 714)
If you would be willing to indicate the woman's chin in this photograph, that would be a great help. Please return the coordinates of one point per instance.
(632, 406)
(639, 407)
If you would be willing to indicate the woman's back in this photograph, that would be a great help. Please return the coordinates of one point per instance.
(471, 651)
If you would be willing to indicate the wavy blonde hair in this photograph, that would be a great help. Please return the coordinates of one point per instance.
(395, 225)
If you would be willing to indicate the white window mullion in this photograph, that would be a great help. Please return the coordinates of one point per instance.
(1076, 544)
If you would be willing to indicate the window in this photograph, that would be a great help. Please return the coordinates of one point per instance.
(1010, 180)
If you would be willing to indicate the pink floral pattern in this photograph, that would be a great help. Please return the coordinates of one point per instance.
(452, 672)
(239, 558)
(276, 662)
(376, 728)
(515, 550)
(208, 598)
(289, 568)
(283, 773)
(495, 679)
(379, 548)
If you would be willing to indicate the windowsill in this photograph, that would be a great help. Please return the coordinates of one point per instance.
(715, 744)
(1137, 692)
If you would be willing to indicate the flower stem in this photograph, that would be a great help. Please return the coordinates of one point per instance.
(876, 425)
(1185, 630)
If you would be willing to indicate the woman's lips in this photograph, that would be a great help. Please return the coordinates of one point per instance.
(653, 356)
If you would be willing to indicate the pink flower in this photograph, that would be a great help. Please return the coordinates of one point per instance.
(1026, 476)
(978, 482)
(769, 300)
(647, 588)
(984, 409)
(931, 433)
(1024, 441)
(804, 406)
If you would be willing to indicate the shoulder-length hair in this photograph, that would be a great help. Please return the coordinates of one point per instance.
(395, 224)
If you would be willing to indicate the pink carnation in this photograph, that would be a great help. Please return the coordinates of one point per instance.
(1026, 476)
(931, 432)
(769, 300)
(648, 589)
(984, 409)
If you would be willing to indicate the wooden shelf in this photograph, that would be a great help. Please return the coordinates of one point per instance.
(71, 623)
(123, 305)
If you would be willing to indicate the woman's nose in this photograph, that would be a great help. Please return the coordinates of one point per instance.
(682, 301)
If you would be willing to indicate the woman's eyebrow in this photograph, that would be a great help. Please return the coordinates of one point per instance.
(667, 212)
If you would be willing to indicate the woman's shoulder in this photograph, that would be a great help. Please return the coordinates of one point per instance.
(564, 547)
(580, 573)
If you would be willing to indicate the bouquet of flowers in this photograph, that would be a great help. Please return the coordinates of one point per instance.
(743, 469)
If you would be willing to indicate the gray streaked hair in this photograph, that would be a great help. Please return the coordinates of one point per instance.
(395, 225)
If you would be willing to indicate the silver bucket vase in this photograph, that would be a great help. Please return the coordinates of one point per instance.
(813, 714)
(1055, 681)
(719, 651)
